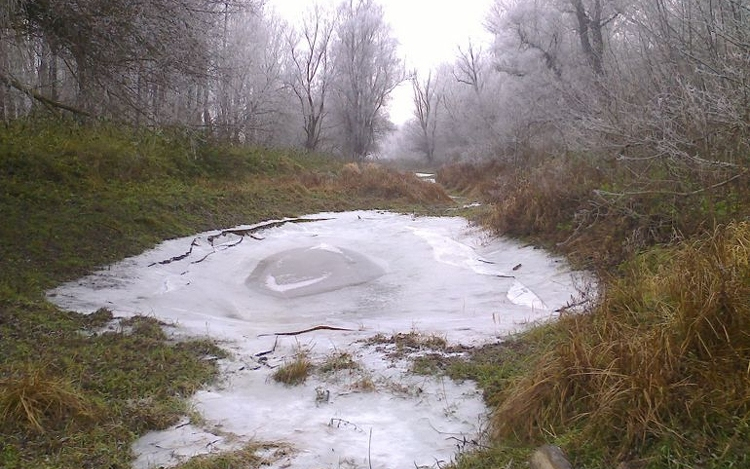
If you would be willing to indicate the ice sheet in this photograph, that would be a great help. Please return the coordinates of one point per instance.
(434, 275)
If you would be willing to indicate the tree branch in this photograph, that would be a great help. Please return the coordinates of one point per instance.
(50, 104)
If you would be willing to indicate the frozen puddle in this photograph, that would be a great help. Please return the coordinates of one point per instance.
(357, 274)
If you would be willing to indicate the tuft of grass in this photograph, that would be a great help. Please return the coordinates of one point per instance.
(247, 457)
(295, 371)
(338, 361)
(32, 397)
(364, 384)
(405, 343)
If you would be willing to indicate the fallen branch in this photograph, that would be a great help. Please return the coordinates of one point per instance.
(303, 331)
(266, 352)
(177, 258)
(50, 104)
(264, 226)
(242, 232)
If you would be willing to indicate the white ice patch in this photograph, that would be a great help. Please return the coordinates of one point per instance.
(455, 253)
(284, 286)
(329, 248)
(310, 271)
(519, 294)
(387, 273)
(428, 177)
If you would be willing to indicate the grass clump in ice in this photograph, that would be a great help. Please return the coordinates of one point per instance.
(338, 361)
(247, 457)
(404, 343)
(295, 371)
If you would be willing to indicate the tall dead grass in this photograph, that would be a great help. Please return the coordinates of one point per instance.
(475, 179)
(33, 399)
(375, 181)
(664, 357)
(600, 212)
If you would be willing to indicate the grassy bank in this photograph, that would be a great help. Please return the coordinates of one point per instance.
(73, 198)
(654, 374)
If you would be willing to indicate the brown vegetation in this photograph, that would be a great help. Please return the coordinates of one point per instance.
(601, 212)
(663, 357)
(657, 369)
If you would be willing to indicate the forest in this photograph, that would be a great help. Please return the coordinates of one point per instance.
(634, 80)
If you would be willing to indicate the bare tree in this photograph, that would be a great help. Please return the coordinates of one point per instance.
(426, 108)
(367, 71)
(468, 67)
(311, 68)
(249, 89)
(124, 57)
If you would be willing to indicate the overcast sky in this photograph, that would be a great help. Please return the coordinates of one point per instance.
(429, 31)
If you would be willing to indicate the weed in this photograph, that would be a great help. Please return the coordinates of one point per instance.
(364, 384)
(406, 343)
(251, 456)
(658, 369)
(338, 361)
(296, 371)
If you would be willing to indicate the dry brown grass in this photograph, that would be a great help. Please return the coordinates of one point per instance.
(543, 199)
(374, 181)
(599, 211)
(295, 371)
(251, 456)
(32, 397)
(474, 179)
(664, 357)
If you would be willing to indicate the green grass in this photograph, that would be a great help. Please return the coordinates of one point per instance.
(73, 198)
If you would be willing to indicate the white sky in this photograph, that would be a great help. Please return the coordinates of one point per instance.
(429, 31)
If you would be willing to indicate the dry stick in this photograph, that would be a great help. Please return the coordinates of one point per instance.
(239, 232)
(272, 224)
(50, 104)
(226, 247)
(316, 328)
(369, 450)
(273, 349)
(177, 258)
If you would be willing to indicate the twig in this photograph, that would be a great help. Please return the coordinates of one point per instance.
(316, 328)
(240, 232)
(273, 349)
(263, 226)
(369, 450)
(177, 258)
